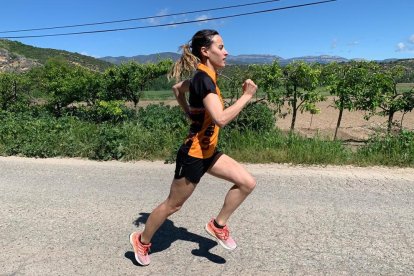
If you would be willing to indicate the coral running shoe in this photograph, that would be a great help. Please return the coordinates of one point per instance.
(221, 234)
(141, 250)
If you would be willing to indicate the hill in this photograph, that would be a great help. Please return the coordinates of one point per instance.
(16, 56)
(265, 59)
(254, 59)
(231, 60)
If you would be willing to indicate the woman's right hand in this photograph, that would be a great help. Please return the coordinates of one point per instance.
(249, 88)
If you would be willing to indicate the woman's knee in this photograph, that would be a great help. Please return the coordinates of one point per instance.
(249, 185)
(173, 207)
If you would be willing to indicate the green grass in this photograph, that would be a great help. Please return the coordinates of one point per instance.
(277, 147)
(158, 131)
(405, 87)
(158, 95)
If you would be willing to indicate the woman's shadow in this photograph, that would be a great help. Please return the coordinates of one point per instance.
(168, 233)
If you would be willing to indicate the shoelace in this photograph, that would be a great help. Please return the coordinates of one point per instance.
(223, 234)
(143, 248)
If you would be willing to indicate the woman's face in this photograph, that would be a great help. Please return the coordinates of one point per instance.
(216, 54)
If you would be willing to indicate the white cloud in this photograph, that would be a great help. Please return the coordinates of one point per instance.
(157, 21)
(175, 19)
(404, 47)
(411, 39)
(202, 17)
(407, 46)
(86, 54)
(401, 47)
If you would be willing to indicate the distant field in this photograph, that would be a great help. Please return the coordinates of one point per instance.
(403, 87)
(168, 94)
(158, 95)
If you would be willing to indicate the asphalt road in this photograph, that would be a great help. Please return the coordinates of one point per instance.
(73, 217)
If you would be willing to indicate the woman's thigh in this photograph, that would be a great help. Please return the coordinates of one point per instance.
(229, 169)
(181, 189)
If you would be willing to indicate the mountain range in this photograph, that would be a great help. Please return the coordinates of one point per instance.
(16, 56)
(231, 60)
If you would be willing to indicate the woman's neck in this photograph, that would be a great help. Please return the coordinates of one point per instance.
(209, 65)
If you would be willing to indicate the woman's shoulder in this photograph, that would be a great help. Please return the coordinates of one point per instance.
(202, 76)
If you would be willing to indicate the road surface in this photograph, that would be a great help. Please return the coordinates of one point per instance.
(73, 217)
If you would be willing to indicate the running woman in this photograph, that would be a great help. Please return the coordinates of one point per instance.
(204, 54)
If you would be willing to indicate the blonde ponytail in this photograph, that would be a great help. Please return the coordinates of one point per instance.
(185, 66)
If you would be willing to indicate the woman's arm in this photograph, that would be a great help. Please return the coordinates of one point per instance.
(223, 117)
(179, 90)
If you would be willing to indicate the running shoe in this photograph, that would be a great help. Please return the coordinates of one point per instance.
(221, 234)
(141, 250)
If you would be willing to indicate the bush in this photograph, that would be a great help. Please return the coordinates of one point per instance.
(391, 149)
(162, 117)
(109, 143)
(103, 111)
(255, 117)
(47, 136)
(27, 136)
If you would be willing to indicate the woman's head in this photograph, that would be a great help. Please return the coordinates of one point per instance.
(206, 46)
(203, 38)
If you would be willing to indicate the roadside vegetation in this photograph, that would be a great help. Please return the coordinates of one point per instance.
(63, 110)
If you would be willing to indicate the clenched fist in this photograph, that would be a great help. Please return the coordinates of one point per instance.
(249, 87)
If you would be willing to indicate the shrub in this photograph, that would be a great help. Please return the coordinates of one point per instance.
(256, 117)
(110, 143)
(163, 117)
(391, 149)
(105, 111)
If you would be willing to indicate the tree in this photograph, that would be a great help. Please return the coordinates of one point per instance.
(408, 98)
(59, 83)
(88, 85)
(346, 81)
(269, 79)
(230, 82)
(128, 80)
(383, 98)
(301, 81)
(12, 88)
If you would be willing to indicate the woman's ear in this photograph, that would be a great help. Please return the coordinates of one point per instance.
(204, 52)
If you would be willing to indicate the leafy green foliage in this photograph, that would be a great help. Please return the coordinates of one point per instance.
(64, 84)
(269, 78)
(42, 135)
(301, 81)
(162, 117)
(383, 94)
(256, 117)
(13, 89)
(349, 83)
(93, 120)
(103, 111)
(390, 150)
(231, 81)
(128, 80)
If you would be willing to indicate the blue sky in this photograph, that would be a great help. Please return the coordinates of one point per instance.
(369, 29)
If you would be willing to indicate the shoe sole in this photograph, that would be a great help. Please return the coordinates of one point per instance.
(133, 248)
(218, 240)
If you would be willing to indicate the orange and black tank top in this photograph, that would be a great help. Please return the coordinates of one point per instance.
(202, 139)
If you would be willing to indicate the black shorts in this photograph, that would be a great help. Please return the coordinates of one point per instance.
(193, 168)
